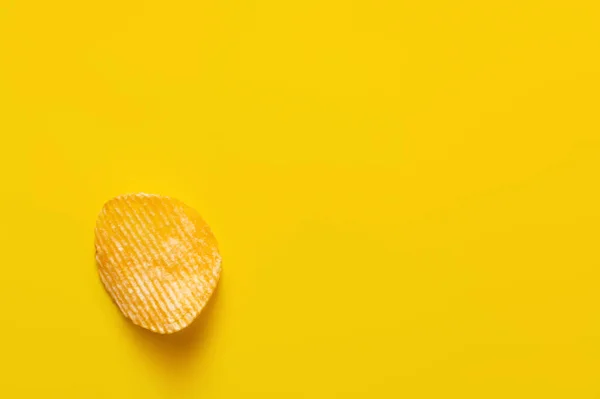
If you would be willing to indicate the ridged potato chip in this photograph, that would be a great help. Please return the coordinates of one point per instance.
(158, 260)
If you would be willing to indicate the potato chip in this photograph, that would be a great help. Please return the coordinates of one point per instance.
(158, 260)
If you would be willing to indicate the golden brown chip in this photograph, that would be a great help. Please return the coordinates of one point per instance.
(158, 260)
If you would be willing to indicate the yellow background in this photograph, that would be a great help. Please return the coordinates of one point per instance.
(405, 194)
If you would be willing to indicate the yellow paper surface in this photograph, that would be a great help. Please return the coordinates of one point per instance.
(405, 195)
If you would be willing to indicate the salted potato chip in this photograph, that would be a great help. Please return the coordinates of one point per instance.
(158, 260)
